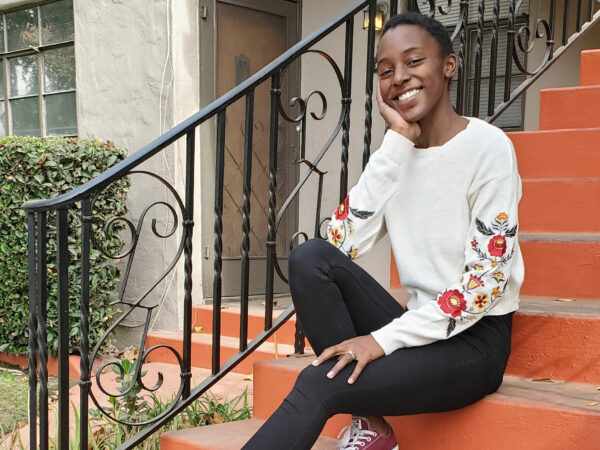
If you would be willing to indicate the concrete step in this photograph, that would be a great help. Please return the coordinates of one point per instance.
(569, 107)
(561, 265)
(566, 205)
(225, 436)
(589, 71)
(557, 153)
(523, 414)
(202, 350)
(230, 320)
(557, 339)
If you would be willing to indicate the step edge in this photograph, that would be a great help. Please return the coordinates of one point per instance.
(526, 236)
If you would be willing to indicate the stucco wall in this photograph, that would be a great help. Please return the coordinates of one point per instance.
(317, 75)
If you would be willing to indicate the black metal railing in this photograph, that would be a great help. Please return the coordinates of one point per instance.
(520, 42)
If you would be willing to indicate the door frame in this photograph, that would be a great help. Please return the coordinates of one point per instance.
(208, 72)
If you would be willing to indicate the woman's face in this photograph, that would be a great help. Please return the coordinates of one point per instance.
(412, 73)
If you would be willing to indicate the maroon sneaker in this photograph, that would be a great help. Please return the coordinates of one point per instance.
(361, 436)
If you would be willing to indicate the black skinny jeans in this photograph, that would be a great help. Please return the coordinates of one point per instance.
(336, 300)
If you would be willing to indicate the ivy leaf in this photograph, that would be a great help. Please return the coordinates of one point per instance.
(361, 214)
(482, 228)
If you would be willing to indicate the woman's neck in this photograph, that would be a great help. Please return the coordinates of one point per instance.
(439, 126)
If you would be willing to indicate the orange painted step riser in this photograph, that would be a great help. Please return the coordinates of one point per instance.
(202, 354)
(561, 348)
(560, 206)
(569, 108)
(557, 154)
(553, 269)
(230, 325)
(496, 425)
(561, 269)
(589, 72)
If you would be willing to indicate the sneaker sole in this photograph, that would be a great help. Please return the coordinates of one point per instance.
(395, 448)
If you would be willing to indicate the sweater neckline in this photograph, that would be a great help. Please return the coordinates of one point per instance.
(434, 149)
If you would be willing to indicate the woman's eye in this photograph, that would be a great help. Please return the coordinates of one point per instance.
(385, 72)
(414, 61)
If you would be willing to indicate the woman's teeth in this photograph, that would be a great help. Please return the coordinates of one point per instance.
(408, 94)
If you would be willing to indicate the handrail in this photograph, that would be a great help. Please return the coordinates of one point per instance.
(180, 130)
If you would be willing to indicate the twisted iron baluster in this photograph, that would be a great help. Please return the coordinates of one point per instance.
(565, 22)
(84, 309)
(478, 59)
(218, 230)
(346, 101)
(247, 192)
(464, 14)
(62, 264)
(393, 7)
(272, 224)
(369, 85)
(42, 295)
(552, 9)
(578, 20)
(493, 59)
(33, 324)
(188, 229)
(510, 44)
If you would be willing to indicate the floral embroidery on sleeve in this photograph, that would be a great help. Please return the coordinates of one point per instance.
(341, 227)
(487, 280)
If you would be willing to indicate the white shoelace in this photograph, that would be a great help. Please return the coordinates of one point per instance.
(354, 437)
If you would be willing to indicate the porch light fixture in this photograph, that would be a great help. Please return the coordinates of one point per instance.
(380, 12)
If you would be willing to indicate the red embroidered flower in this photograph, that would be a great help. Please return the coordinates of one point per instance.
(474, 243)
(497, 245)
(342, 211)
(474, 282)
(452, 302)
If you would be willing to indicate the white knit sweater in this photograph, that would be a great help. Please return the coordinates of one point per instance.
(451, 212)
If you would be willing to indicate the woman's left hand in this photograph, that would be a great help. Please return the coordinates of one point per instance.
(365, 349)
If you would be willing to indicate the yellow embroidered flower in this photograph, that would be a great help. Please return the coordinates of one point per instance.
(352, 253)
(499, 276)
(481, 302)
(494, 263)
(502, 217)
(478, 267)
(474, 282)
(335, 236)
(496, 292)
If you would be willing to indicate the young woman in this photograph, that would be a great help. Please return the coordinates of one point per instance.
(446, 189)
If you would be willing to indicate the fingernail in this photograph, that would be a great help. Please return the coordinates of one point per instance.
(315, 362)
(350, 380)
(330, 375)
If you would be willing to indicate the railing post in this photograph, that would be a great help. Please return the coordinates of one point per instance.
(393, 7)
(218, 230)
(369, 83)
(85, 383)
(33, 301)
(188, 230)
(510, 44)
(42, 296)
(247, 192)
(478, 59)
(565, 22)
(272, 226)
(346, 102)
(464, 14)
(62, 264)
(493, 59)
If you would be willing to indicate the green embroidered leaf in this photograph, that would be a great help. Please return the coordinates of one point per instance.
(361, 214)
(511, 232)
(483, 228)
(451, 327)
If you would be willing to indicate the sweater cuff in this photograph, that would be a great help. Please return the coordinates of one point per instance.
(384, 337)
(396, 147)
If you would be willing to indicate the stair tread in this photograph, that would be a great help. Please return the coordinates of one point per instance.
(525, 236)
(226, 341)
(225, 436)
(556, 307)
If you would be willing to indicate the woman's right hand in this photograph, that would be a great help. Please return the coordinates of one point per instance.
(395, 121)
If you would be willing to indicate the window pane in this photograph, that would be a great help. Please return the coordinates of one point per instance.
(22, 29)
(2, 78)
(57, 22)
(61, 117)
(2, 48)
(23, 75)
(2, 119)
(59, 69)
(25, 116)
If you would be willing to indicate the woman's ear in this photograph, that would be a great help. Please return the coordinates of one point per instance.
(450, 64)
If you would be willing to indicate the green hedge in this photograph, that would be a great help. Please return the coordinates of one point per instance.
(34, 168)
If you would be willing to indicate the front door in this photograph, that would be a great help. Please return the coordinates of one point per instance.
(250, 34)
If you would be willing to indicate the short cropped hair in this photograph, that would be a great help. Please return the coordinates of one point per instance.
(429, 24)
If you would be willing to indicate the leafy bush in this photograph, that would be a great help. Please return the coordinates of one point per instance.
(34, 168)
